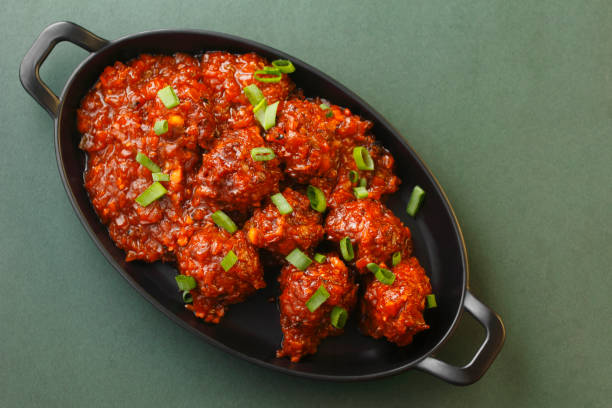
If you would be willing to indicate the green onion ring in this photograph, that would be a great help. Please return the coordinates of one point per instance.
(154, 192)
(224, 221)
(317, 198)
(346, 249)
(185, 282)
(298, 259)
(281, 203)
(362, 158)
(284, 66)
(229, 260)
(317, 299)
(262, 154)
(338, 317)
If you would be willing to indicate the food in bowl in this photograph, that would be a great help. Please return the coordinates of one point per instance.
(219, 164)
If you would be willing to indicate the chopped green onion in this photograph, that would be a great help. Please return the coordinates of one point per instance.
(266, 71)
(148, 163)
(271, 70)
(324, 106)
(223, 221)
(160, 127)
(160, 177)
(284, 66)
(329, 114)
(362, 158)
(229, 260)
(416, 199)
(281, 203)
(270, 116)
(185, 282)
(338, 317)
(298, 259)
(317, 198)
(154, 192)
(346, 249)
(253, 94)
(317, 299)
(262, 154)
(360, 192)
(353, 176)
(168, 97)
(363, 182)
(320, 258)
(385, 276)
(372, 267)
(259, 111)
(396, 258)
(431, 301)
(187, 298)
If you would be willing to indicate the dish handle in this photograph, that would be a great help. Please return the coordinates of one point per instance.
(36, 55)
(485, 355)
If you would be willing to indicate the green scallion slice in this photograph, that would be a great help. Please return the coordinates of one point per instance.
(363, 182)
(185, 282)
(353, 176)
(360, 192)
(281, 203)
(267, 75)
(154, 192)
(229, 260)
(329, 114)
(320, 258)
(253, 94)
(224, 221)
(416, 199)
(346, 249)
(284, 66)
(187, 298)
(259, 111)
(385, 276)
(270, 116)
(160, 127)
(338, 317)
(298, 259)
(148, 163)
(160, 177)
(396, 258)
(317, 299)
(324, 106)
(372, 267)
(168, 97)
(362, 158)
(317, 198)
(262, 154)
(431, 301)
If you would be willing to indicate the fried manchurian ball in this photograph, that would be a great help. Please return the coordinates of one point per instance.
(227, 75)
(396, 311)
(116, 119)
(281, 233)
(216, 287)
(304, 139)
(303, 330)
(230, 177)
(375, 232)
(379, 181)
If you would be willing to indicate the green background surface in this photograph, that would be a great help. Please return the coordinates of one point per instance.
(510, 104)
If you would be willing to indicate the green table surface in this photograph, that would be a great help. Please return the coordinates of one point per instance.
(509, 103)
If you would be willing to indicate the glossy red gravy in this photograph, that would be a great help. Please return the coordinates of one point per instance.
(206, 152)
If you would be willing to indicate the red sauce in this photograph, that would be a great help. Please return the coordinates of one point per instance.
(206, 153)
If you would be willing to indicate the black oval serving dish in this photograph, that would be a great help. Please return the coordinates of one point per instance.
(251, 330)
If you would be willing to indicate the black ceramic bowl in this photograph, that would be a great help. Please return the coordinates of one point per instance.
(251, 330)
